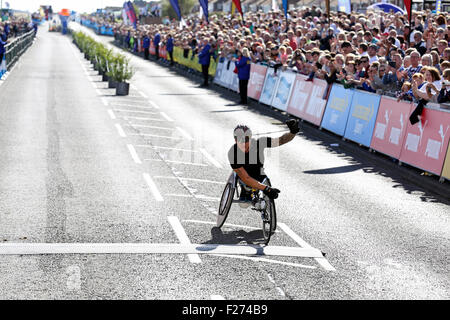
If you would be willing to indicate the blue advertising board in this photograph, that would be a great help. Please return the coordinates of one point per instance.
(362, 117)
(337, 109)
(283, 91)
(270, 85)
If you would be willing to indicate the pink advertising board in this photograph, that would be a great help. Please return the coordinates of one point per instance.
(256, 81)
(307, 101)
(390, 126)
(425, 143)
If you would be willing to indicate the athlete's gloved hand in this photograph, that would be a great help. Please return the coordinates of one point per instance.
(293, 126)
(272, 193)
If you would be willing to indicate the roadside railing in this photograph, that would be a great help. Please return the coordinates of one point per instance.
(17, 47)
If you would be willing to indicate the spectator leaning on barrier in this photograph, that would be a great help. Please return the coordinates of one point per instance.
(444, 94)
(243, 68)
(156, 42)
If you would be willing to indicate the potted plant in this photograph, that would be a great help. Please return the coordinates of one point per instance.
(120, 71)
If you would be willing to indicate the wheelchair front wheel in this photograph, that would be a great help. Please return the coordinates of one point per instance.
(225, 204)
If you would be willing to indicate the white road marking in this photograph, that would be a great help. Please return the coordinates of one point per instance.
(321, 260)
(142, 94)
(105, 102)
(185, 134)
(182, 237)
(210, 158)
(134, 154)
(120, 130)
(121, 105)
(189, 179)
(217, 297)
(199, 196)
(111, 114)
(134, 111)
(98, 92)
(142, 118)
(168, 148)
(166, 116)
(154, 104)
(153, 187)
(32, 248)
(93, 84)
(154, 136)
(179, 162)
(150, 127)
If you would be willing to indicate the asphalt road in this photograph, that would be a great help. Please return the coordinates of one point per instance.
(81, 165)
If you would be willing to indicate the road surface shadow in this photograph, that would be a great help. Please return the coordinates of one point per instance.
(254, 237)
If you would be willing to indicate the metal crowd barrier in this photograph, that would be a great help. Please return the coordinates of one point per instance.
(17, 47)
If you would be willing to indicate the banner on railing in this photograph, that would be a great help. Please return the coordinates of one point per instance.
(3, 66)
(307, 100)
(337, 109)
(283, 90)
(219, 69)
(362, 117)
(256, 82)
(426, 142)
(270, 85)
(446, 168)
(390, 126)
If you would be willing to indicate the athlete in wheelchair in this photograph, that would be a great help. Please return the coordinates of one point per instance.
(248, 182)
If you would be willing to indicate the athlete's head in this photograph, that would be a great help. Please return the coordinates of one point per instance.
(242, 136)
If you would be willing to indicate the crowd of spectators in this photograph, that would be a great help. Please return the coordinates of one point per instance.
(14, 26)
(376, 51)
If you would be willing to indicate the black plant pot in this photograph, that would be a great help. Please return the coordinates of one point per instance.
(122, 89)
(111, 83)
(86, 56)
(105, 77)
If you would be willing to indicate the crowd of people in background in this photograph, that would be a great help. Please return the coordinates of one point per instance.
(377, 52)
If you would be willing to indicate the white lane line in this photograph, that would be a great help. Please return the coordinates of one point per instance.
(179, 162)
(182, 237)
(168, 148)
(156, 248)
(321, 260)
(189, 179)
(154, 104)
(105, 102)
(142, 94)
(122, 105)
(111, 114)
(134, 111)
(142, 118)
(150, 127)
(154, 136)
(120, 130)
(185, 134)
(134, 154)
(291, 264)
(179, 195)
(210, 158)
(156, 194)
(199, 196)
(226, 224)
(166, 116)
(217, 297)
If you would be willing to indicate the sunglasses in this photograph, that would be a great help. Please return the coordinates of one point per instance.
(243, 139)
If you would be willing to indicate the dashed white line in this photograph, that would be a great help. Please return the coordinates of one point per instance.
(182, 237)
(111, 114)
(134, 154)
(154, 104)
(322, 261)
(142, 94)
(179, 162)
(142, 118)
(166, 116)
(154, 136)
(120, 130)
(168, 148)
(153, 188)
(189, 179)
(185, 134)
(150, 127)
(135, 111)
(291, 264)
(210, 158)
(226, 224)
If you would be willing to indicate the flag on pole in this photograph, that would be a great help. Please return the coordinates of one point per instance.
(343, 6)
(237, 5)
(408, 6)
(438, 6)
(285, 7)
(176, 7)
(129, 10)
(204, 7)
